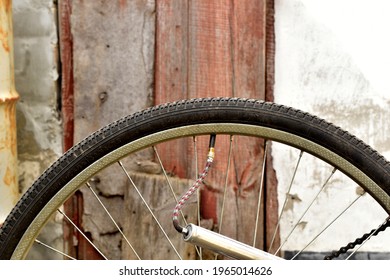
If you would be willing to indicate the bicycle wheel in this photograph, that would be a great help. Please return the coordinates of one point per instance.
(144, 131)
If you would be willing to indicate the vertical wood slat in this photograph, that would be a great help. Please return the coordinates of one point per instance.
(112, 56)
(209, 48)
(271, 215)
(214, 48)
(205, 56)
(67, 80)
(171, 64)
(67, 84)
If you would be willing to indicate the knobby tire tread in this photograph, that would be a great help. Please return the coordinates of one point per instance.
(186, 112)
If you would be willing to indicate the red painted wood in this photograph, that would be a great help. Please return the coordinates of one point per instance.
(67, 81)
(66, 56)
(205, 49)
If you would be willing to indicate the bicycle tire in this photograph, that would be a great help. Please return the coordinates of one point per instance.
(188, 117)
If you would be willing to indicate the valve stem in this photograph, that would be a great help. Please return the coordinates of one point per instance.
(194, 187)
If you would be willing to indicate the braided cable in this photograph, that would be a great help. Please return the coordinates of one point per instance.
(194, 187)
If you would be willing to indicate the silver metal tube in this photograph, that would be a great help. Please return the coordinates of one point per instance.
(224, 245)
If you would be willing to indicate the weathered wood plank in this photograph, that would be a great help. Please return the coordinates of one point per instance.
(210, 49)
(67, 79)
(171, 63)
(113, 63)
(220, 52)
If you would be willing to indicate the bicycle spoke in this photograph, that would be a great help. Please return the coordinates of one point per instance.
(172, 191)
(196, 176)
(225, 187)
(54, 249)
(168, 181)
(80, 231)
(307, 209)
(199, 250)
(226, 183)
(112, 219)
(260, 193)
(322, 231)
(148, 207)
(285, 201)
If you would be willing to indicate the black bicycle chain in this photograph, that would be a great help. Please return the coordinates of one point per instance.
(359, 241)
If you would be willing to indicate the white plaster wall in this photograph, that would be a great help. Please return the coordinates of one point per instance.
(332, 60)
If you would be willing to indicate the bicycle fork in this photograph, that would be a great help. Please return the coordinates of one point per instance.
(211, 240)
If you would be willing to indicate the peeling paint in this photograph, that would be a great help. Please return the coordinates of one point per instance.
(302, 225)
(4, 40)
(6, 19)
(9, 177)
(9, 191)
(367, 119)
(292, 199)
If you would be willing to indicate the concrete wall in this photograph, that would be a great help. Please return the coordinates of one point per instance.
(36, 78)
(332, 60)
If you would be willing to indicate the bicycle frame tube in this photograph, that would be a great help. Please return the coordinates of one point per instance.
(224, 245)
